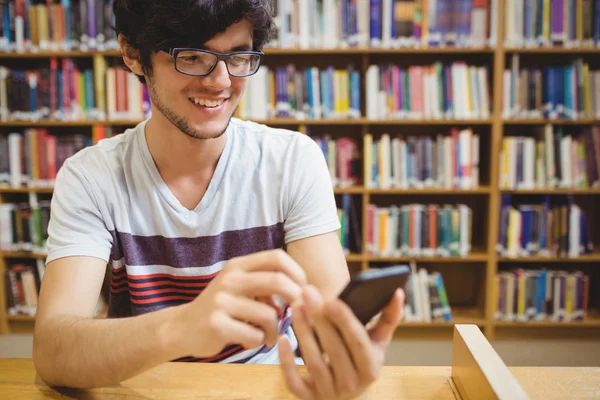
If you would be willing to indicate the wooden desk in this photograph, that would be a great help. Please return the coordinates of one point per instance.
(18, 380)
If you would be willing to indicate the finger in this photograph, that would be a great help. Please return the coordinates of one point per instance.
(357, 340)
(294, 382)
(273, 260)
(317, 367)
(234, 331)
(344, 372)
(254, 312)
(383, 330)
(258, 284)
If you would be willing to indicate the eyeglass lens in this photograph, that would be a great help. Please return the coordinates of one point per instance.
(200, 63)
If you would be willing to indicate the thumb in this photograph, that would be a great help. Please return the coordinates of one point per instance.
(381, 333)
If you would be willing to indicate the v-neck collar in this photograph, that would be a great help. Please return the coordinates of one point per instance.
(163, 188)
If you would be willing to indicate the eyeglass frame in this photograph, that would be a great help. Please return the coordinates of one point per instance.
(174, 51)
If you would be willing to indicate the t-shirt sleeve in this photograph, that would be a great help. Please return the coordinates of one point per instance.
(76, 226)
(312, 208)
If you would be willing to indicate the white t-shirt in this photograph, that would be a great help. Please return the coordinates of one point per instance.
(271, 186)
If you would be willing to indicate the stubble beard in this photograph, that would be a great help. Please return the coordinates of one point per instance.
(178, 121)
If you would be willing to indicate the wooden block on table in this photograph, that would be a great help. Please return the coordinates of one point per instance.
(478, 371)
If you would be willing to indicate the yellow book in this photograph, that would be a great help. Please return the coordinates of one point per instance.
(546, 20)
(368, 160)
(469, 97)
(578, 21)
(81, 83)
(514, 227)
(586, 90)
(345, 78)
(521, 298)
(272, 97)
(99, 82)
(338, 100)
(43, 29)
(33, 27)
(569, 297)
(383, 217)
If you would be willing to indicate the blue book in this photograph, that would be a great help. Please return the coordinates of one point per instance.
(355, 91)
(325, 103)
(33, 97)
(59, 90)
(540, 294)
(375, 22)
(6, 24)
(596, 23)
(89, 89)
(309, 91)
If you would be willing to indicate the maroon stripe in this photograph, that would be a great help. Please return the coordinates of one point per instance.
(200, 251)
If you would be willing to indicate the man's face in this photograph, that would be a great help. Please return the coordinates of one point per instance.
(172, 92)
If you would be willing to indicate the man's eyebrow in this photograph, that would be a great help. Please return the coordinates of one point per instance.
(242, 47)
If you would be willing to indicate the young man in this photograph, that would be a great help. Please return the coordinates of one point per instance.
(191, 209)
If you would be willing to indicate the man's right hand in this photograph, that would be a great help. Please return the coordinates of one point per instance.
(228, 310)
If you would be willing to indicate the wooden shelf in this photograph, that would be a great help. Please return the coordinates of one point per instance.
(592, 321)
(554, 191)
(276, 51)
(435, 191)
(21, 318)
(354, 258)
(272, 121)
(476, 256)
(539, 121)
(586, 258)
(553, 50)
(4, 189)
(459, 316)
(22, 254)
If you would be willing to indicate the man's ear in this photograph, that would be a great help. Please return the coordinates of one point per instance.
(131, 56)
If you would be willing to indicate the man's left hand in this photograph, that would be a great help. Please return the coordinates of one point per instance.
(349, 356)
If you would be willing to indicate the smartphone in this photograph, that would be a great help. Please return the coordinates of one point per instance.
(370, 291)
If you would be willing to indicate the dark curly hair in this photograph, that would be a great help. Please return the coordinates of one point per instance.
(152, 25)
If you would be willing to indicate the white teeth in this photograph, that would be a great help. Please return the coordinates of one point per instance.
(206, 103)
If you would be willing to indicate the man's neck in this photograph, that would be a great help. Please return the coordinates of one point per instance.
(179, 156)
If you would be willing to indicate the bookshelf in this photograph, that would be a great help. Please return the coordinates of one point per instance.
(469, 280)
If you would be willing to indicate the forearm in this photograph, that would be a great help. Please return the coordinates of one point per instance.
(85, 353)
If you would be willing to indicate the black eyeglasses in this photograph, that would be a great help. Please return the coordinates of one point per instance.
(200, 62)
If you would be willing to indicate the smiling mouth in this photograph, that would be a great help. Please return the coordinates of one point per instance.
(206, 103)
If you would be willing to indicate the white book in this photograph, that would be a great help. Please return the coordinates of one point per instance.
(15, 142)
(304, 28)
(425, 299)
(565, 159)
(333, 170)
(493, 23)
(6, 232)
(529, 164)
(396, 162)
(372, 92)
(574, 231)
(330, 40)
(385, 168)
(509, 23)
(464, 245)
(19, 34)
(437, 107)
(386, 19)
(478, 27)
(363, 22)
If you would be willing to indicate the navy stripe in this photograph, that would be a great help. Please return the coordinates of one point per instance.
(191, 296)
(158, 287)
(170, 278)
(200, 251)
